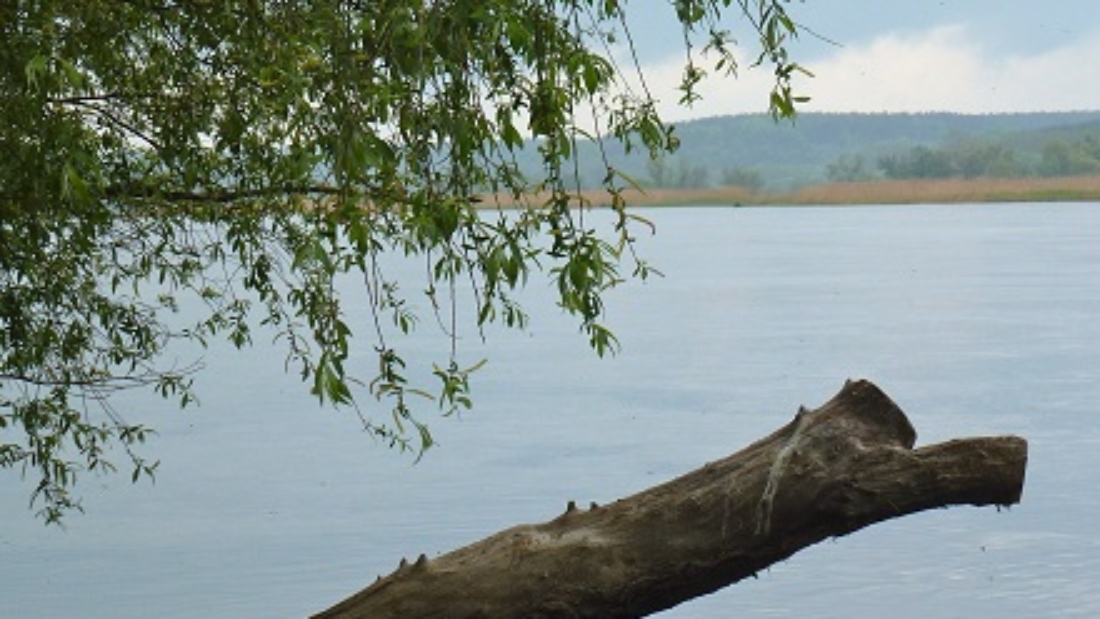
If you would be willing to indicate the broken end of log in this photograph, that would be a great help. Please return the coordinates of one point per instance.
(851, 463)
(868, 414)
(971, 471)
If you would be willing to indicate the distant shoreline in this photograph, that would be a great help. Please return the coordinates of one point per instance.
(884, 192)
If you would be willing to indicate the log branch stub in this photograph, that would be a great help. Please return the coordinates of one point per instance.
(829, 472)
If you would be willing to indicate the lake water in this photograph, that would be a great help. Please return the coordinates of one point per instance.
(976, 320)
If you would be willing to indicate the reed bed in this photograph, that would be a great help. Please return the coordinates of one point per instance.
(930, 191)
(946, 191)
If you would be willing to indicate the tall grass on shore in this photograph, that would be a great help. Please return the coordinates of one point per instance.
(930, 191)
(946, 191)
(711, 196)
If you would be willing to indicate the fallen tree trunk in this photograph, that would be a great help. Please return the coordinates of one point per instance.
(829, 472)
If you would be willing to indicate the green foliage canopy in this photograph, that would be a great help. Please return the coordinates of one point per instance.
(245, 155)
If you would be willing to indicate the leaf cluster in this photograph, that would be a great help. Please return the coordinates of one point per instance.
(245, 157)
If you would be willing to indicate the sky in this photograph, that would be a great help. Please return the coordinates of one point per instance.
(972, 56)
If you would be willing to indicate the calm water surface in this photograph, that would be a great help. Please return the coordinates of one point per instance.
(976, 320)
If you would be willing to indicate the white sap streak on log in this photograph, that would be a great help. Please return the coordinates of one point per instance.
(771, 487)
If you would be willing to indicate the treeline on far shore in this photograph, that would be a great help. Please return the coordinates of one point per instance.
(764, 157)
(1053, 153)
(1057, 156)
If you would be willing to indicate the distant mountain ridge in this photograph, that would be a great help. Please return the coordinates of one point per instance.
(787, 154)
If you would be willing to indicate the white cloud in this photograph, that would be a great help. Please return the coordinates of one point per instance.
(934, 70)
(941, 69)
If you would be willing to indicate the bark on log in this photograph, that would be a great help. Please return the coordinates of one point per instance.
(827, 473)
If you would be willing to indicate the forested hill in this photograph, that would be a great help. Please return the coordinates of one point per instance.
(757, 151)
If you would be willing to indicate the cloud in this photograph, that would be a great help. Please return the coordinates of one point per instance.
(941, 69)
(934, 70)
